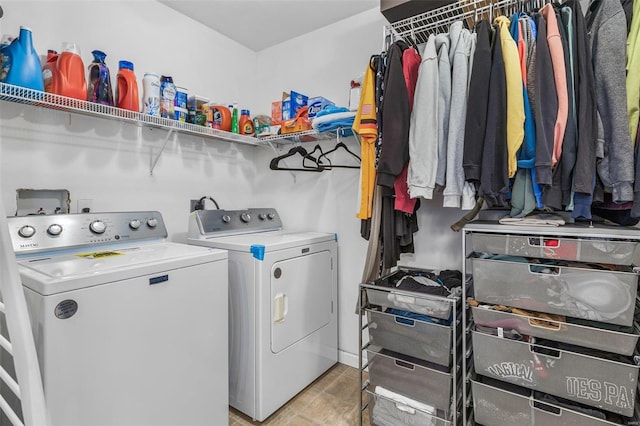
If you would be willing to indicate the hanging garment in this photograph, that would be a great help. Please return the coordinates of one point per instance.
(633, 70)
(494, 179)
(635, 210)
(586, 116)
(477, 104)
(560, 78)
(423, 140)
(546, 104)
(607, 26)
(461, 45)
(444, 104)
(365, 124)
(570, 145)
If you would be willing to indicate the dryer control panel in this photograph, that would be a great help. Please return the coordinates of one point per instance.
(232, 222)
(37, 233)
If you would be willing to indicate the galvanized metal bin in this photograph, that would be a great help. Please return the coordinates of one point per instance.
(428, 341)
(597, 338)
(594, 294)
(597, 382)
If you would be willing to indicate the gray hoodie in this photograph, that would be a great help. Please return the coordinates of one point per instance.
(444, 104)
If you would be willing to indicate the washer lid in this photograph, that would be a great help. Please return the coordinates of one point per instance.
(81, 269)
(271, 241)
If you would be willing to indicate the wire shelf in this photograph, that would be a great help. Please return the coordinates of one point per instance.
(27, 96)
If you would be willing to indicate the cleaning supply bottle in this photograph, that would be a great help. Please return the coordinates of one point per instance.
(69, 79)
(99, 90)
(21, 64)
(50, 71)
(151, 94)
(127, 87)
(235, 128)
(167, 97)
(246, 124)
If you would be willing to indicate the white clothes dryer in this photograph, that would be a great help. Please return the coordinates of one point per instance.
(283, 330)
(130, 329)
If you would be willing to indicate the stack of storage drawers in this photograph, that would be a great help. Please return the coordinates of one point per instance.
(554, 335)
(413, 355)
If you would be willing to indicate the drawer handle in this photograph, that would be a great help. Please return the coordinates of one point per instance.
(544, 407)
(547, 352)
(402, 364)
(554, 326)
(405, 321)
(544, 269)
(407, 409)
(544, 242)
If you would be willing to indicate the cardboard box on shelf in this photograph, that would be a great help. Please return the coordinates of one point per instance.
(317, 104)
(276, 112)
(291, 103)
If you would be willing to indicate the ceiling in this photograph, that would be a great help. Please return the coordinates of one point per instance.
(259, 24)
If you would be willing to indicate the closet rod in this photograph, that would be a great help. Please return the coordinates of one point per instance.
(419, 27)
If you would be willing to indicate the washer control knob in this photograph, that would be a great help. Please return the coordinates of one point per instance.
(54, 229)
(271, 216)
(245, 217)
(27, 231)
(262, 216)
(226, 218)
(98, 227)
(134, 224)
(152, 222)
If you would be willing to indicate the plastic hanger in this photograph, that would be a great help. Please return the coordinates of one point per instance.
(298, 150)
(310, 156)
(339, 145)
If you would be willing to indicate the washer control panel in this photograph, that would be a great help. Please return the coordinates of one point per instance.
(231, 222)
(36, 233)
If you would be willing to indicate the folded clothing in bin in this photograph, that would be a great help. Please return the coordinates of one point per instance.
(420, 317)
(442, 284)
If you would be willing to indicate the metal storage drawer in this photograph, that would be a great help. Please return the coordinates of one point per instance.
(615, 252)
(598, 382)
(385, 412)
(606, 340)
(499, 407)
(594, 294)
(414, 379)
(433, 306)
(419, 339)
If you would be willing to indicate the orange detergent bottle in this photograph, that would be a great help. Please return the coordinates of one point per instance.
(246, 124)
(64, 74)
(127, 88)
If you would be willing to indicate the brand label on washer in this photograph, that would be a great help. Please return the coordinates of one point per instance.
(99, 254)
(66, 309)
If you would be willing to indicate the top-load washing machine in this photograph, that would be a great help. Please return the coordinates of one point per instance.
(282, 304)
(130, 329)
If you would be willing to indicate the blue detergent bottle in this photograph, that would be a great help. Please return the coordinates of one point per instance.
(99, 90)
(20, 63)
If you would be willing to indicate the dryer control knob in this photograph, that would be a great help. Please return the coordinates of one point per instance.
(54, 229)
(262, 216)
(134, 224)
(27, 231)
(245, 217)
(98, 227)
(226, 218)
(271, 216)
(152, 222)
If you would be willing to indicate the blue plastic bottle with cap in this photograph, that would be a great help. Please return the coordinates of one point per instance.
(20, 63)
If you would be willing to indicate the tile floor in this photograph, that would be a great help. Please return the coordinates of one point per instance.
(332, 399)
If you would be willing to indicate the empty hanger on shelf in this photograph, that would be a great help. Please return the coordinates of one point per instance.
(339, 166)
(297, 150)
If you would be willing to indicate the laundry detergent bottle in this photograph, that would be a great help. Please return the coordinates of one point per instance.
(99, 90)
(20, 63)
(50, 71)
(64, 74)
(127, 88)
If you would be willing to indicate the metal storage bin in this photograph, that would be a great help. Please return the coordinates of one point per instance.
(419, 339)
(385, 412)
(597, 338)
(598, 382)
(413, 378)
(498, 407)
(615, 252)
(594, 294)
(419, 303)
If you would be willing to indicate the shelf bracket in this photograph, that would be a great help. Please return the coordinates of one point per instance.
(154, 161)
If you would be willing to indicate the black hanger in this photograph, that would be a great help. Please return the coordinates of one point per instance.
(273, 165)
(339, 166)
(316, 161)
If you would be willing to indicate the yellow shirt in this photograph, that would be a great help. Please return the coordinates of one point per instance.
(515, 97)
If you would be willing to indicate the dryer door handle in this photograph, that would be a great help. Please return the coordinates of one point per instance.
(280, 307)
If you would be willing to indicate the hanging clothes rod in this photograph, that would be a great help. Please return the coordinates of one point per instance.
(418, 27)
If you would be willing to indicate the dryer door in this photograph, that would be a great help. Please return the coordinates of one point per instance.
(301, 300)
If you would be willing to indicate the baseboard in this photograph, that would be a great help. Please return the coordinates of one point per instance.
(348, 358)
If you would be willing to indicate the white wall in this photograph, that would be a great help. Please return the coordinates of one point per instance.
(109, 162)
